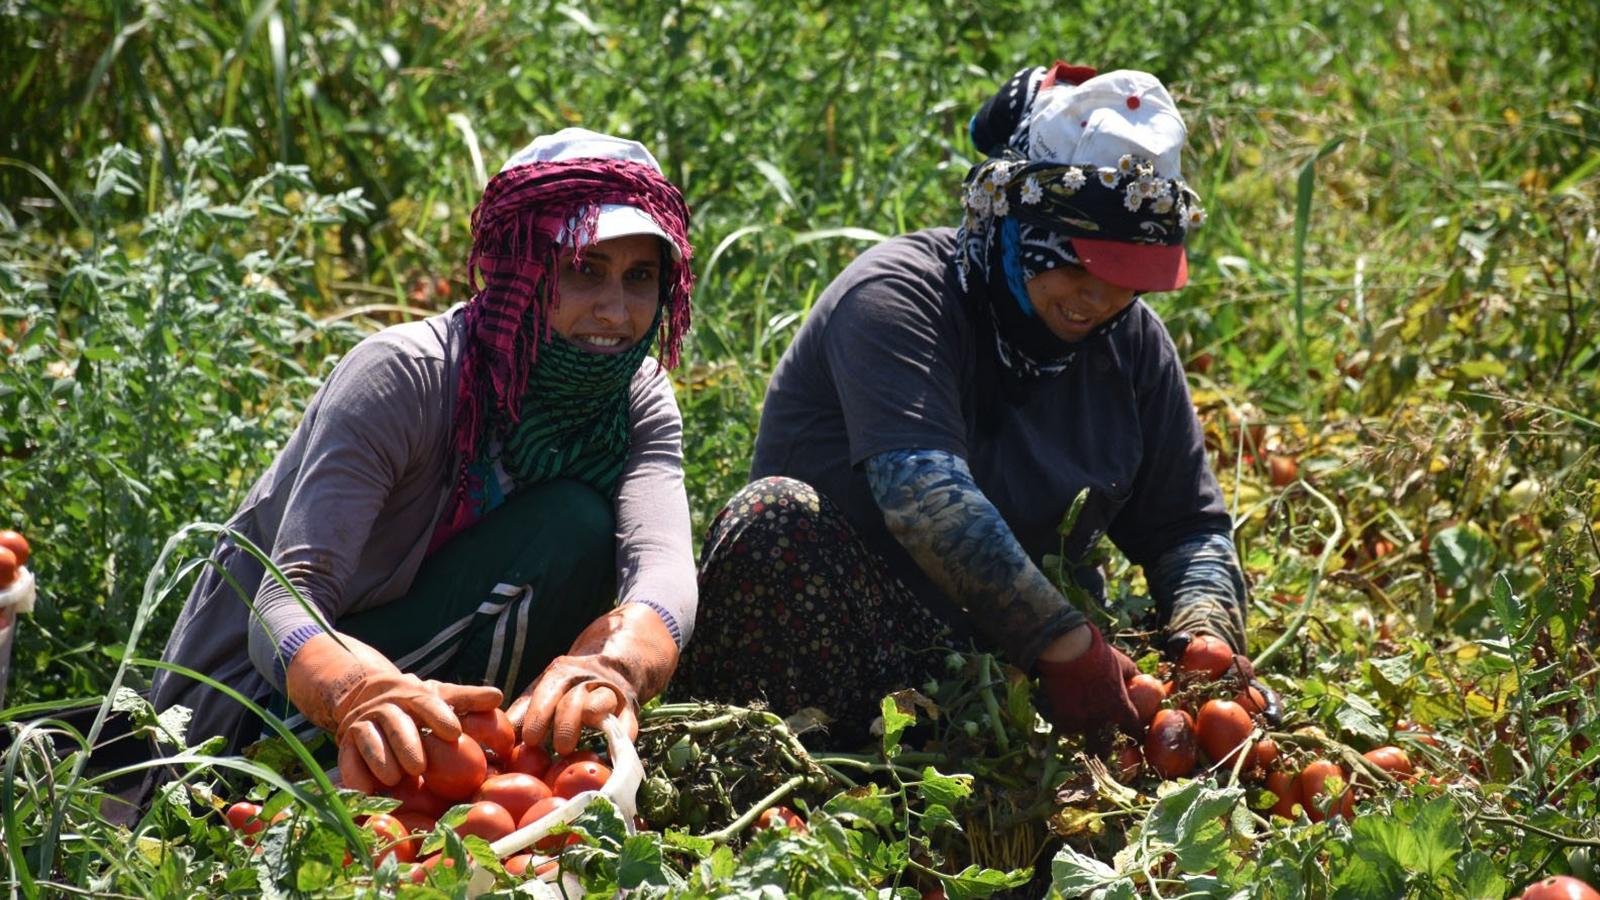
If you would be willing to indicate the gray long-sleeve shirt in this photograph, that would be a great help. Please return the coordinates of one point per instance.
(347, 509)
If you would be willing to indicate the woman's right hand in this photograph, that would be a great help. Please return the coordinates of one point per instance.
(373, 709)
(1086, 681)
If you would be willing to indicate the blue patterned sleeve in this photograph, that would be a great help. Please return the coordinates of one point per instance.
(1198, 588)
(937, 512)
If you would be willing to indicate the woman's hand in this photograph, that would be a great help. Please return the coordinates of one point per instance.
(372, 708)
(1086, 681)
(620, 661)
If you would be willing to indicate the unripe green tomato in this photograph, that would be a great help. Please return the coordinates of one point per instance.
(1583, 863)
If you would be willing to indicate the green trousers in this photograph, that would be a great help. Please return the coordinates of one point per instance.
(503, 598)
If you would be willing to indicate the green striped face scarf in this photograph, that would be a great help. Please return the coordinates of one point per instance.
(575, 415)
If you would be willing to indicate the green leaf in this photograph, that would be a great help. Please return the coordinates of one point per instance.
(976, 881)
(640, 863)
(894, 725)
(1070, 520)
(946, 790)
(1507, 607)
(1434, 838)
(1461, 555)
(1478, 876)
(1191, 821)
(1360, 718)
(1072, 874)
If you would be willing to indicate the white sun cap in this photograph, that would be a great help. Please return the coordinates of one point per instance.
(1104, 118)
(616, 219)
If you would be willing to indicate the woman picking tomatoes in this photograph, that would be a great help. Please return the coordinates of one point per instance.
(468, 496)
(948, 397)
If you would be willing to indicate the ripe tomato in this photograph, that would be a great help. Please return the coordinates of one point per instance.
(528, 760)
(518, 864)
(1287, 789)
(784, 817)
(8, 567)
(575, 778)
(1390, 759)
(414, 796)
(1170, 746)
(562, 762)
(515, 791)
(17, 544)
(1207, 654)
(1222, 727)
(1146, 692)
(1284, 469)
(538, 811)
(390, 834)
(1314, 792)
(1415, 732)
(1253, 701)
(1560, 887)
(426, 867)
(493, 732)
(418, 824)
(245, 817)
(455, 769)
(488, 820)
(1265, 753)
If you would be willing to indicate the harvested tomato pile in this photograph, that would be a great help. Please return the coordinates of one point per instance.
(505, 785)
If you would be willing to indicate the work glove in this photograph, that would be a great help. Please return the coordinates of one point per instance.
(1089, 695)
(373, 709)
(621, 660)
(1178, 641)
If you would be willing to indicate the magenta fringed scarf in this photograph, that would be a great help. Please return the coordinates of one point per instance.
(519, 230)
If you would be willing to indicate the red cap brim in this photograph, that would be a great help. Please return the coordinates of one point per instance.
(1139, 267)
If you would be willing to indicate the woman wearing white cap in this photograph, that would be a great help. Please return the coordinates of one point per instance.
(491, 498)
(948, 397)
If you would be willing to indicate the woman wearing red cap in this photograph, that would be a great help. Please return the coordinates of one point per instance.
(482, 504)
(948, 397)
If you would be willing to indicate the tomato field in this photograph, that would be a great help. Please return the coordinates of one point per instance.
(1392, 336)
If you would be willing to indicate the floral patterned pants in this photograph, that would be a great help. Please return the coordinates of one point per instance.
(796, 612)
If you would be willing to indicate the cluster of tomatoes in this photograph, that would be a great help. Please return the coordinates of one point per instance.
(509, 785)
(14, 552)
(1219, 729)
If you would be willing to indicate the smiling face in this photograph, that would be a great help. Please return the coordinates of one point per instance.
(608, 302)
(1073, 302)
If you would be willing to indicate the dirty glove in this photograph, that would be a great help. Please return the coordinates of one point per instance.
(1089, 694)
(372, 708)
(621, 660)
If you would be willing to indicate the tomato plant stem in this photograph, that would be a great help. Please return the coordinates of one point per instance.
(750, 815)
(1304, 612)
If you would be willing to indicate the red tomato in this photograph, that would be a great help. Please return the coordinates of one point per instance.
(1253, 701)
(562, 762)
(1170, 746)
(414, 797)
(8, 567)
(1222, 727)
(575, 778)
(1283, 468)
(518, 864)
(1207, 654)
(515, 791)
(1265, 753)
(390, 834)
(1146, 692)
(1560, 887)
(1314, 793)
(17, 544)
(426, 867)
(488, 820)
(528, 760)
(540, 810)
(418, 824)
(1390, 759)
(1287, 789)
(245, 817)
(493, 732)
(783, 817)
(455, 770)
(1128, 762)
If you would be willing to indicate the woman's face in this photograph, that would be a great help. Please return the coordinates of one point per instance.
(1073, 302)
(609, 301)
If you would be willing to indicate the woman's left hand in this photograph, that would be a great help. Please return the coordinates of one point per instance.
(621, 660)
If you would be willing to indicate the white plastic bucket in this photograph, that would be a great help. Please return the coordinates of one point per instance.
(15, 600)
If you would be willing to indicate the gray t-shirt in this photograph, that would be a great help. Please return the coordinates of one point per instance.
(887, 360)
(347, 509)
